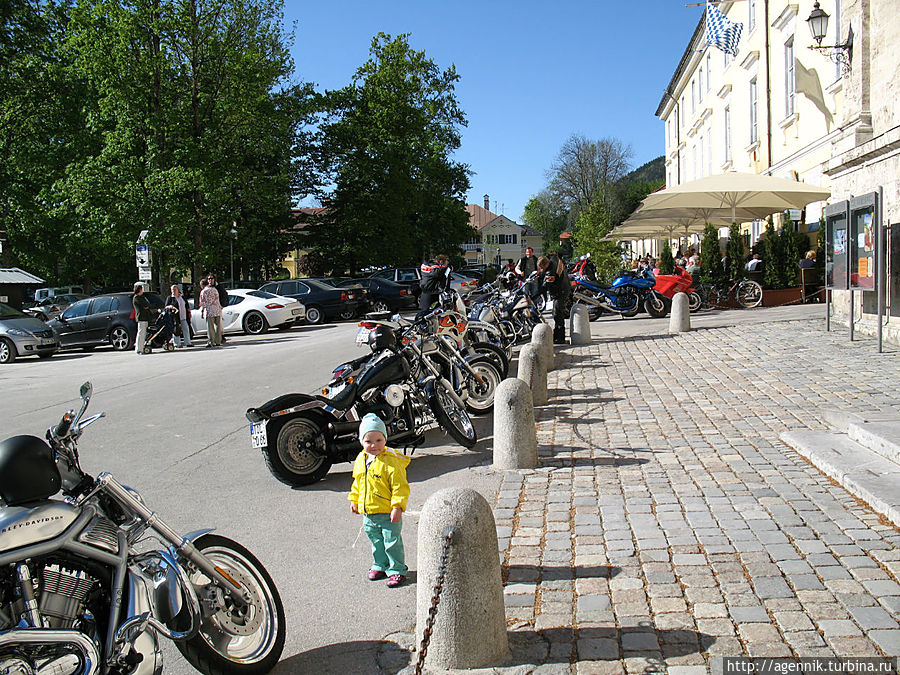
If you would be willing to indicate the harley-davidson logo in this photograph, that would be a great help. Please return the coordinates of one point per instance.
(29, 523)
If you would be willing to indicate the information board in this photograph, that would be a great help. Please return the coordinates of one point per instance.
(863, 241)
(837, 225)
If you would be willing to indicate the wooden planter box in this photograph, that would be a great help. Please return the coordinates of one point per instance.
(782, 296)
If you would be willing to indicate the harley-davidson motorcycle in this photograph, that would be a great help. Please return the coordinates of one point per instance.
(302, 435)
(81, 592)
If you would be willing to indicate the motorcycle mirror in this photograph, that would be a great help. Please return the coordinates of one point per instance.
(86, 390)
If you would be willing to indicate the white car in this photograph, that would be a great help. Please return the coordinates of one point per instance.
(253, 312)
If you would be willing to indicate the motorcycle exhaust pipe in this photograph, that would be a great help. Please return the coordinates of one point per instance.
(588, 300)
(47, 637)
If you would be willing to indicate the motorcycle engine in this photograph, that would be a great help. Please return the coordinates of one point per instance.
(61, 594)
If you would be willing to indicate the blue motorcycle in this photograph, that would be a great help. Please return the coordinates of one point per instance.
(626, 295)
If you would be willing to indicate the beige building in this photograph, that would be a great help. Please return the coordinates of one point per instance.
(497, 237)
(783, 108)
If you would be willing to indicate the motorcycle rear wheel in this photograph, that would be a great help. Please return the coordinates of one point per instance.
(245, 640)
(694, 301)
(298, 456)
(451, 414)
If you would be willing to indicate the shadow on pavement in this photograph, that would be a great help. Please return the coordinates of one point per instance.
(362, 656)
(654, 645)
(516, 573)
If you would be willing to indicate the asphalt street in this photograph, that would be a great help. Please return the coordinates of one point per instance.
(175, 430)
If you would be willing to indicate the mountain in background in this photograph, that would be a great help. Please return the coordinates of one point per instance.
(654, 170)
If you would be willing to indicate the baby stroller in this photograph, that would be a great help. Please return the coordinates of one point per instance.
(162, 332)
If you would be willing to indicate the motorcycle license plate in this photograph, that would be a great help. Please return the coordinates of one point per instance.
(258, 438)
(362, 336)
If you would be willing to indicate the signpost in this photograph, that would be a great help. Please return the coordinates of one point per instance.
(142, 257)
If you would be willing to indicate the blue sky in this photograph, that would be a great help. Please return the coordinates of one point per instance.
(531, 73)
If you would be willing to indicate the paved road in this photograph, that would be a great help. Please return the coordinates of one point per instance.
(176, 431)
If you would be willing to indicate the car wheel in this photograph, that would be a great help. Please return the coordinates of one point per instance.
(255, 324)
(347, 313)
(314, 315)
(381, 306)
(120, 339)
(7, 351)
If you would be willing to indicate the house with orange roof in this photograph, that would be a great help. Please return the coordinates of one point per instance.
(496, 237)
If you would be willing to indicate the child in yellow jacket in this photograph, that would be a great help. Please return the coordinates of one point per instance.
(380, 491)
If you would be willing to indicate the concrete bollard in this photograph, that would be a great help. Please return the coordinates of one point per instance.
(533, 374)
(580, 325)
(542, 337)
(515, 436)
(469, 628)
(680, 318)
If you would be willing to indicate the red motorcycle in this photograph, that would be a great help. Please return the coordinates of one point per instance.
(680, 282)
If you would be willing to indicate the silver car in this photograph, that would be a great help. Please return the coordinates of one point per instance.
(23, 335)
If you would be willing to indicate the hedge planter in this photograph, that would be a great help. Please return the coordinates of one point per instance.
(782, 296)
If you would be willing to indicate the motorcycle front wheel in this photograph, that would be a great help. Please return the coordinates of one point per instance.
(451, 414)
(657, 306)
(480, 399)
(235, 639)
(495, 353)
(695, 302)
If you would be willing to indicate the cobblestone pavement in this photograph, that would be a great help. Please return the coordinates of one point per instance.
(669, 525)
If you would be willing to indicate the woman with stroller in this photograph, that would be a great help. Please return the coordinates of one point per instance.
(177, 303)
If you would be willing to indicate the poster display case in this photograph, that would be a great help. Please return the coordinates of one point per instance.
(863, 242)
(837, 226)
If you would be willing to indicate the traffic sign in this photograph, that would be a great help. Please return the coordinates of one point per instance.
(145, 273)
(142, 255)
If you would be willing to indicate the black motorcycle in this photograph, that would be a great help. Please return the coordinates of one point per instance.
(302, 435)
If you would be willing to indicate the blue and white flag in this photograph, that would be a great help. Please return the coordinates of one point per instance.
(722, 32)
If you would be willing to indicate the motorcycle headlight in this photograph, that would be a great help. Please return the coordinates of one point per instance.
(393, 394)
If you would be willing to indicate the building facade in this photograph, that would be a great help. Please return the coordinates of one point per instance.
(497, 238)
(784, 108)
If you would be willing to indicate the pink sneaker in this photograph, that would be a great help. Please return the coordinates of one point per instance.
(375, 575)
(395, 580)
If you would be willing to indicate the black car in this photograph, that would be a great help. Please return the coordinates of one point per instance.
(384, 295)
(405, 276)
(102, 319)
(321, 300)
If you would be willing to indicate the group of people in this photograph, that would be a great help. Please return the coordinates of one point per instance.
(212, 298)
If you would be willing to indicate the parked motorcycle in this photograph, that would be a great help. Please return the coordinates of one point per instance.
(626, 295)
(81, 594)
(679, 282)
(302, 435)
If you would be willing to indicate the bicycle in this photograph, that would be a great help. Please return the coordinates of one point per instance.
(747, 293)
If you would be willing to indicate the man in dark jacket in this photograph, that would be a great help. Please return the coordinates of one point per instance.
(435, 280)
(556, 281)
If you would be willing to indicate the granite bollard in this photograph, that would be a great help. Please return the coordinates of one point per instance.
(580, 325)
(469, 628)
(532, 373)
(680, 319)
(515, 436)
(542, 337)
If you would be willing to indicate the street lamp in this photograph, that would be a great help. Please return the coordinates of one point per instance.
(838, 53)
(233, 234)
(498, 257)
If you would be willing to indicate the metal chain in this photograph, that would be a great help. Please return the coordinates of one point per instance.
(448, 534)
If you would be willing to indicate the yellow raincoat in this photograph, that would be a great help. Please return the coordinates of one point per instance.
(382, 485)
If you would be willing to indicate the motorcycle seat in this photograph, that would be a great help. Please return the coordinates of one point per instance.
(343, 399)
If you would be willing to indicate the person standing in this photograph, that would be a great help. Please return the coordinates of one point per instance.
(380, 491)
(435, 280)
(223, 299)
(211, 310)
(556, 280)
(177, 303)
(527, 263)
(142, 315)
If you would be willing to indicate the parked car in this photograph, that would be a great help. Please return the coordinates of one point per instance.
(253, 312)
(50, 308)
(355, 291)
(102, 319)
(23, 335)
(322, 301)
(44, 293)
(383, 295)
(411, 276)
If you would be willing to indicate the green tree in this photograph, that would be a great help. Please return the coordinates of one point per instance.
(666, 261)
(772, 254)
(592, 227)
(735, 252)
(388, 141)
(546, 215)
(710, 255)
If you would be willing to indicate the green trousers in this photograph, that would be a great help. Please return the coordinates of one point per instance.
(387, 545)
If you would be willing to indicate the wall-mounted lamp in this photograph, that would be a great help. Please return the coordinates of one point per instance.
(838, 53)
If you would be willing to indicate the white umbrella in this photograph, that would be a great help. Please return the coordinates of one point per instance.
(753, 194)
